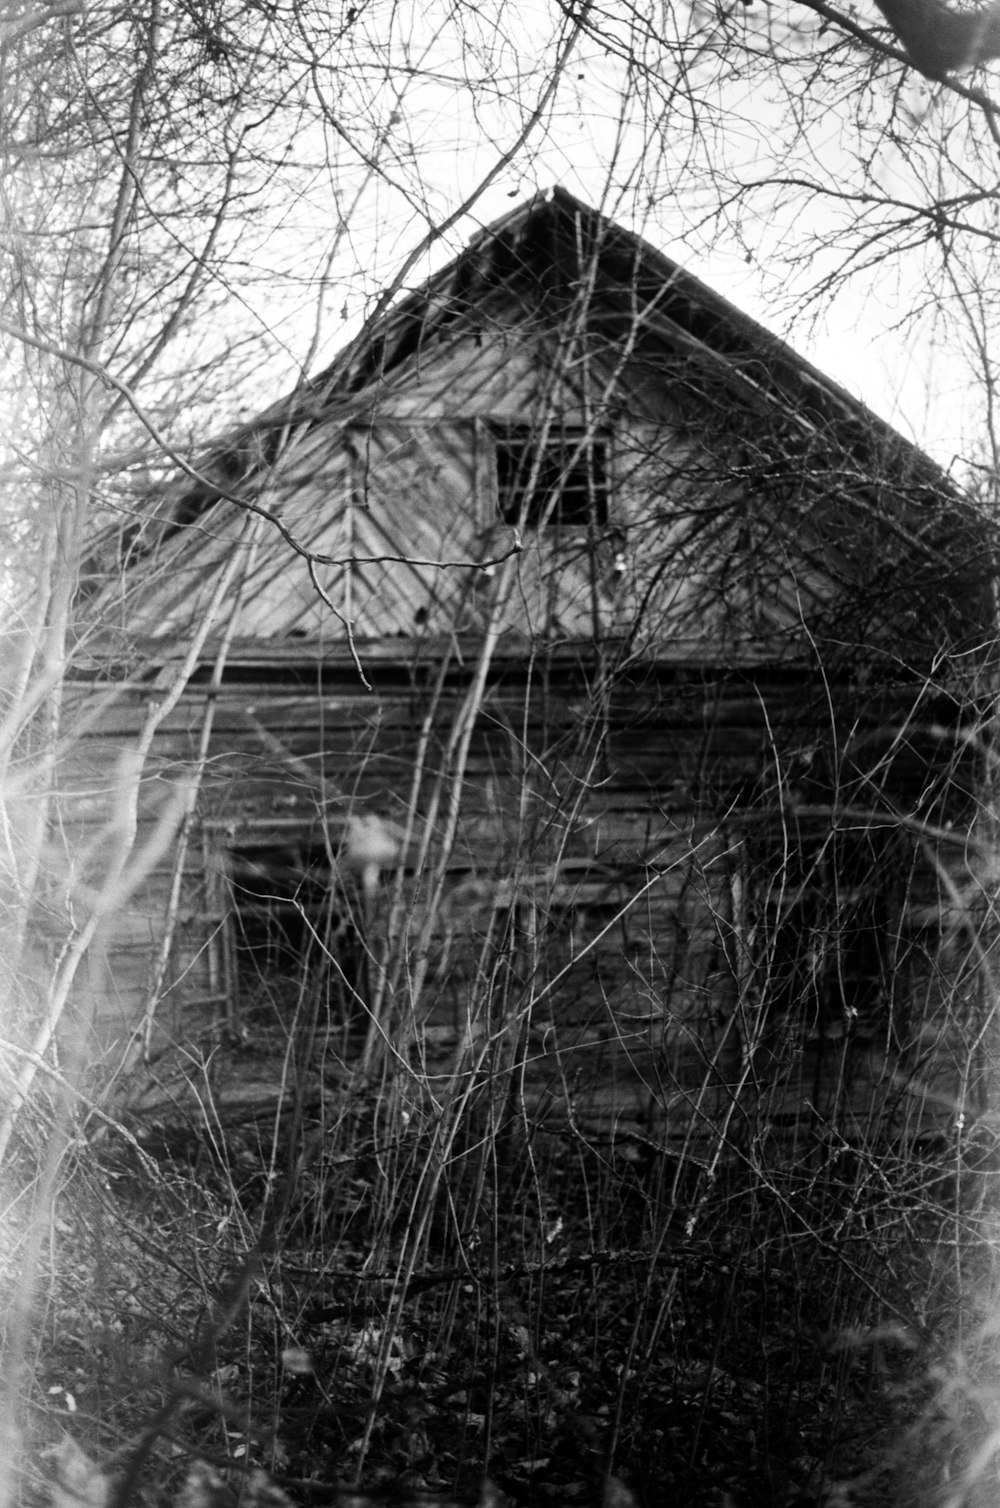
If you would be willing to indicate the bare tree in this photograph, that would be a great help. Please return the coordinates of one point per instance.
(199, 203)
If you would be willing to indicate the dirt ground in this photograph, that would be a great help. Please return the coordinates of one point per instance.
(778, 1343)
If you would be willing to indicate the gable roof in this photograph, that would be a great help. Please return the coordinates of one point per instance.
(539, 255)
(550, 280)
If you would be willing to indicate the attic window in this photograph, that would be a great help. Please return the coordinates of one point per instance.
(560, 480)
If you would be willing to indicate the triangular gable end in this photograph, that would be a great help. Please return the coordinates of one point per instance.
(736, 494)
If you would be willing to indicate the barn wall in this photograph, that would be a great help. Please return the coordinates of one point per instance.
(634, 880)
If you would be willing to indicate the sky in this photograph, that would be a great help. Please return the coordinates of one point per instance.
(667, 176)
(775, 185)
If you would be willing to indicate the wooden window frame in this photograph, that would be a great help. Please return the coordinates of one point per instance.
(322, 920)
(827, 923)
(552, 479)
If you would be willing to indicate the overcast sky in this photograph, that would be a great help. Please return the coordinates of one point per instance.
(677, 165)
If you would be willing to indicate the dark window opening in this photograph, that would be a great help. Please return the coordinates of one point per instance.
(292, 929)
(826, 930)
(826, 964)
(561, 481)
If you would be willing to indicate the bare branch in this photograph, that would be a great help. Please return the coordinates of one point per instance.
(11, 30)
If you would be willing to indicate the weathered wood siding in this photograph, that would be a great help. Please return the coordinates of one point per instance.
(702, 539)
(608, 931)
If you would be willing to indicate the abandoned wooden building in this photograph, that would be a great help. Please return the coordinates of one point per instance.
(568, 697)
